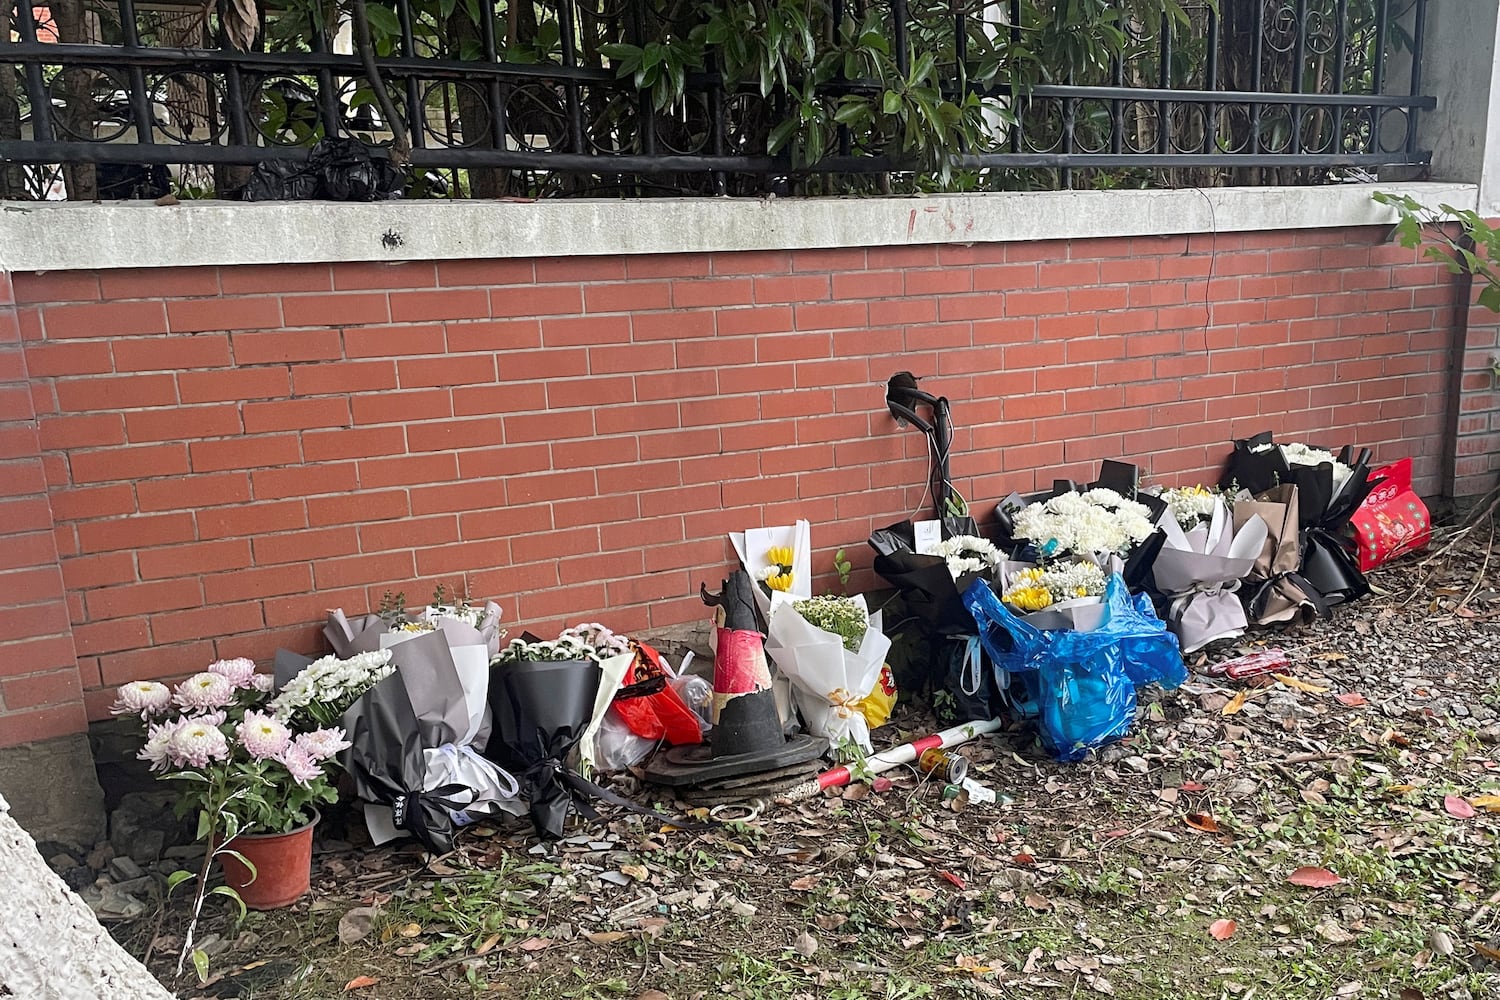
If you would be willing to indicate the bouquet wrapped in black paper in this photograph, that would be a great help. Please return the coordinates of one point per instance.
(1330, 489)
(410, 755)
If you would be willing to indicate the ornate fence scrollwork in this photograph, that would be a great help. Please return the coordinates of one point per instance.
(521, 99)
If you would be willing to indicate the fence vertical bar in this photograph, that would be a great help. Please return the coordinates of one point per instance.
(1295, 84)
(234, 89)
(492, 55)
(1257, 44)
(36, 87)
(567, 36)
(1015, 89)
(328, 103)
(1382, 18)
(645, 106)
(140, 101)
(1211, 80)
(416, 120)
(1164, 80)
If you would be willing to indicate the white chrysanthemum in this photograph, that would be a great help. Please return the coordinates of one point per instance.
(323, 744)
(1297, 453)
(1097, 521)
(240, 671)
(1190, 504)
(143, 698)
(204, 691)
(158, 737)
(331, 681)
(262, 735)
(195, 743)
(968, 554)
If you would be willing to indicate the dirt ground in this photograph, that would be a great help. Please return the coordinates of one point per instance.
(1170, 865)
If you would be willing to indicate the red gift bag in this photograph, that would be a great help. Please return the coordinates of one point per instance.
(650, 706)
(1393, 520)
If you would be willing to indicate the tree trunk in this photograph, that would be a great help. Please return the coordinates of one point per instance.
(53, 945)
(79, 111)
(474, 113)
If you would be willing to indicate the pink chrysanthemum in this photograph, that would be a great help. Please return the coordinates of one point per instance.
(158, 737)
(300, 765)
(195, 743)
(240, 671)
(264, 683)
(263, 737)
(143, 698)
(323, 744)
(205, 691)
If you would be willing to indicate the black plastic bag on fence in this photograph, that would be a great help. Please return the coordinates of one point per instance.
(335, 169)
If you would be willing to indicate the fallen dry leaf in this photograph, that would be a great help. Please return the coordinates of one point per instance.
(1038, 902)
(360, 982)
(1411, 993)
(653, 995)
(1236, 703)
(806, 945)
(1351, 699)
(1457, 805)
(1297, 685)
(803, 884)
(1202, 821)
(1485, 951)
(1313, 878)
(1489, 803)
(535, 944)
(606, 937)
(487, 945)
(950, 877)
(1330, 931)
(1222, 930)
(1024, 859)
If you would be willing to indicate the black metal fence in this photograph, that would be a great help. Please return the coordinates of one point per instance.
(526, 99)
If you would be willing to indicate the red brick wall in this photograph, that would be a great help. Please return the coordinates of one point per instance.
(231, 451)
(40, 693)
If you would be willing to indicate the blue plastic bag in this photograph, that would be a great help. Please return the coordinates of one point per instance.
(1082, 684)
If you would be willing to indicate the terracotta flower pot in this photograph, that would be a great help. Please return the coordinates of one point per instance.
(283, 865)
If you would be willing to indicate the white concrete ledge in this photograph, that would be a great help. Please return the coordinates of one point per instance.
(53, 236)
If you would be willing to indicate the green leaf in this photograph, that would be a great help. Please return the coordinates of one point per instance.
(224, 890)
(383, 20)
(200, 964)
(1489, 297)
(249, 865)
(781, 135)
(177, 878)
(890, 102)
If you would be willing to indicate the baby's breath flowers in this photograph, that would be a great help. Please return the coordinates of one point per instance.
(1190, 505)
(843, 616)
(1042, 586)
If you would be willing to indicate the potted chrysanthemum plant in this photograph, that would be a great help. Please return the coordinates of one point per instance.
(253, 767)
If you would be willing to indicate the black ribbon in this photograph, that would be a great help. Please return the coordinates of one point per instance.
(1262, 594)
(553, 789)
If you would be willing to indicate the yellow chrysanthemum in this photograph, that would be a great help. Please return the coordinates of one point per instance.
(780, 581)
(1028, 597)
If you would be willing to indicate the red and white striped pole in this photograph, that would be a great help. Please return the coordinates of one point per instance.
(894, 757)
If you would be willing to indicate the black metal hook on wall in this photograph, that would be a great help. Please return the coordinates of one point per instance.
(902, 397)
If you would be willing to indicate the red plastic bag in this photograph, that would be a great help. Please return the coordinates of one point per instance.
(659, 712)
(1393, 520)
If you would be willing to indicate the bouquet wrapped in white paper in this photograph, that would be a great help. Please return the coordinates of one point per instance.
(1199, 571)
(780, 558)
(831, 671)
